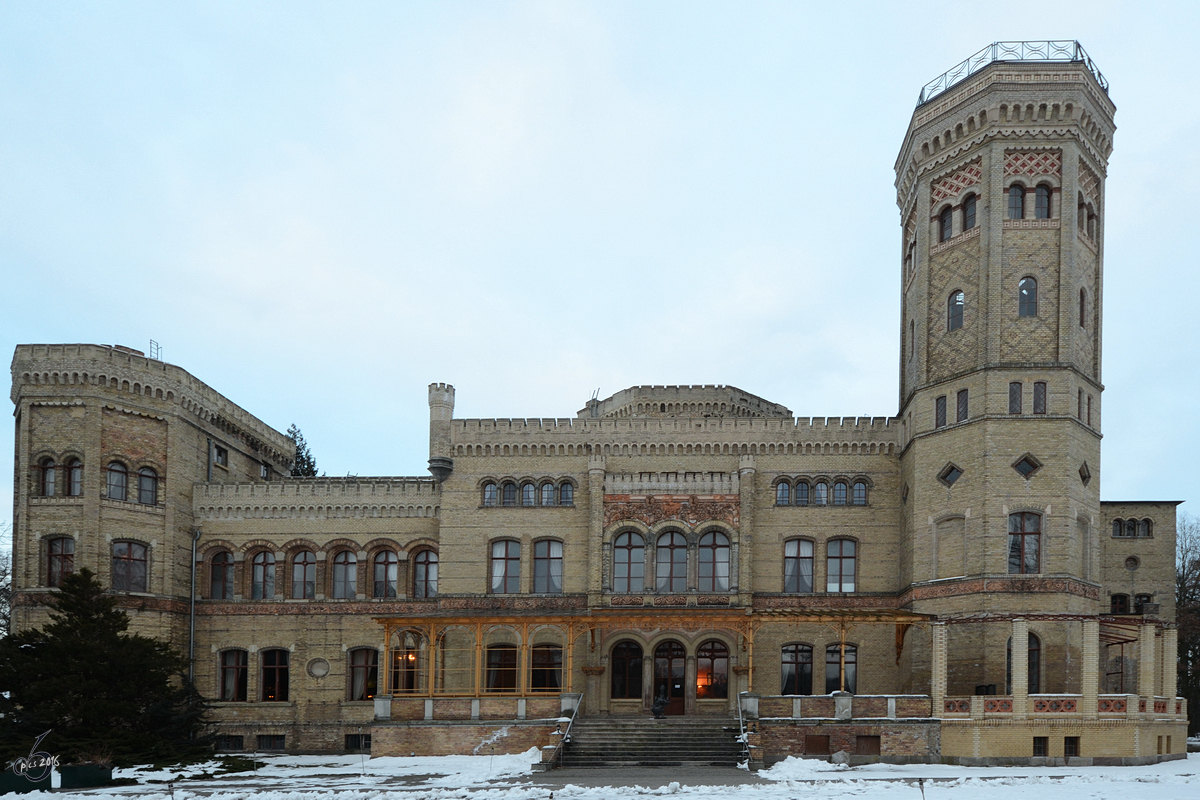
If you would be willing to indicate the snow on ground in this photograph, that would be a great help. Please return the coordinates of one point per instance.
(510, 778)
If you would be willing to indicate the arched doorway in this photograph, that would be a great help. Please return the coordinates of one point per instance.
(670, 665)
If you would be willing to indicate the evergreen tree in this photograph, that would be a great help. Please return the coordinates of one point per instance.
(104, 694)
(305, 466)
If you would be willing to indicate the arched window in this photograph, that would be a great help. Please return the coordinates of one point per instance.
(714, 562)
(1027, 297)
(74, 477)
(1119, 604)
(408, 662)
(60, 557)
(425, 575)
(712, 671)
(509, 494)
(1081, 221)
(547, 566)
(1118, 527)
(946, 224)
(1024, 543)
(839, 566)
(506, 567)
(860, 493)
(1083, 308)
(1145, 528)
(147, 487)
(118, 480)
(304, 575)
(385, 577)
(1016, 201)
(1131, 527)
(783, 494)
(221, 584)
(1035, 666)
(547, 490)
(364, 673)
(820, 493)
(545, 668)
(801, 494)
(275, 675)
(262, 577)
(626, 667)
(566, 494)
(528, 494)
(798, 565)
(968, 209)
(671, 561)
(345, 575)
(797, 669)
(840, 492)
(1091, 222)
(128, 567)
(501, 668)
(490, 494)
(841, 668)
(954, 310)
(233, 676)
(629, 563)
(1041, 208)
(49, 478)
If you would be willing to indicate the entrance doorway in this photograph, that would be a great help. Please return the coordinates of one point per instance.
(670, 662)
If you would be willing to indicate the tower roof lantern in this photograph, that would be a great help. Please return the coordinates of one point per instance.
(1062, 51)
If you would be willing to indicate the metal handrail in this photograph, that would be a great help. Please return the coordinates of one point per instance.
(742, 738)
(556, 758)
(1064, 51)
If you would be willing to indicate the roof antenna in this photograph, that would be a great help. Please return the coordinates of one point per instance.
(155, 350)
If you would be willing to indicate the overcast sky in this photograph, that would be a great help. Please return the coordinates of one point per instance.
(319, 209)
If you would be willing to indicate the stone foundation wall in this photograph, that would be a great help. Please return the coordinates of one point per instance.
(458, 739)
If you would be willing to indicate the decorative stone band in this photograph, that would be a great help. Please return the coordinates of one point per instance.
(688, 509)
(1029, 224)
(396, 608)
(941, 247)
(1002, 584)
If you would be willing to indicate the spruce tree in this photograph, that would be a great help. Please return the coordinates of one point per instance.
(305, 466)
(105, 694)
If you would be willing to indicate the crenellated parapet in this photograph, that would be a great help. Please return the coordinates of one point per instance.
(319, 498)
(120, 372)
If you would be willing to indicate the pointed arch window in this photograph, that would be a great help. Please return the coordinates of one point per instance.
(954, 310)
(1027, 297)
(714, 562)
(262, 576)
(629, 563)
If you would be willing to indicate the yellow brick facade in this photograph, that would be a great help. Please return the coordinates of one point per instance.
(442, 601)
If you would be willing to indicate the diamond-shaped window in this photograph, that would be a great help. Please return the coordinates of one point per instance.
(1085, 474)
(949, 474)
(1027, 465)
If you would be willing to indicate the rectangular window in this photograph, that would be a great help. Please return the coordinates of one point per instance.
(1039, 397)
(233, 676)
(364, 673)
(264, 472)
(939, 412)
(547, 567)
(1041, 746)
(128, 567)
(220, 455)
(798, 565)
(1079, 407)
(502, 668)
(1015, 390)
(1071, 746)
(1089, 409)
(271, 742)
(545, 674)
(358, 742)
(275, 675)
(962, 405)
(230, 743)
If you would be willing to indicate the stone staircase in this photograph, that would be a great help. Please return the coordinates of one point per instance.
(649, 742)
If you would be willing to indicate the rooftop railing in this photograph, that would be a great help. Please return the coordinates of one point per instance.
(1061, 51)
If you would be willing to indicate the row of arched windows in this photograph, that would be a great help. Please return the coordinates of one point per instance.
(1043, 195)
(1027, 303)
(670, 562)
(528, 493)
(116, 481)
(343, 578)
(806, 492)
(1131, 528)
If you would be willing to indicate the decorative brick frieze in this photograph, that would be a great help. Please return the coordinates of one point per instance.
(688, 509)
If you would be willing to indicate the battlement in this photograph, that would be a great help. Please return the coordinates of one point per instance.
(319, 498)
(44, 368)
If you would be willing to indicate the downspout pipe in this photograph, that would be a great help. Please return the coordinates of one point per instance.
(192, 613)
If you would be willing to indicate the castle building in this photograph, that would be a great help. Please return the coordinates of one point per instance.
(942, 584)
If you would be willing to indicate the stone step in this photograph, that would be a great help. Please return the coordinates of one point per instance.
(647, 742)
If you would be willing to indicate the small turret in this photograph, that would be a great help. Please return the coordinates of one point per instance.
(441, 412)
